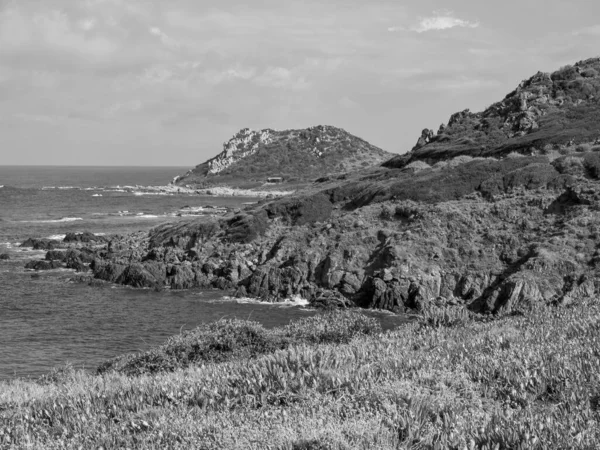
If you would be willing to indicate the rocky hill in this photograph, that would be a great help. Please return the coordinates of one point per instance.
(546, 113)
(251, 157)
(495, 231)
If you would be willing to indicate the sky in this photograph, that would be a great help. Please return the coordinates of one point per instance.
(142, 82)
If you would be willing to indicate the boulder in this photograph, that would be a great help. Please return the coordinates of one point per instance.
(85, 237)
(43, 265)
(41, 244)
(55, 255)
(4, 256)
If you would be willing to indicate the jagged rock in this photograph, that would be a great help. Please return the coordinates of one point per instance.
(85, 237)
(325, 299)
(426, 136)
(56, 255)
(136, 275)
(43, 265)
(41, 244)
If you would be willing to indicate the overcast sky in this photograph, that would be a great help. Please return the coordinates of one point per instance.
(141, 82)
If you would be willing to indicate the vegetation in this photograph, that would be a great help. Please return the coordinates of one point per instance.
(526, 381)
(226, 340)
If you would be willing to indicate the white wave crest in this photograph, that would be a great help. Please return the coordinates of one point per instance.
(294, 300)
(64, 219)
(57, 237)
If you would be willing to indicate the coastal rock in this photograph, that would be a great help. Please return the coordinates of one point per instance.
(85, 237)
(56, 255)
(43, 265)
(41, 244)
(4, 256)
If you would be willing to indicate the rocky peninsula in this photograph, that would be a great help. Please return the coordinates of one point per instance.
(497, 210)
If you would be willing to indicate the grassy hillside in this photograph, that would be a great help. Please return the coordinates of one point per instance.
(449, 380)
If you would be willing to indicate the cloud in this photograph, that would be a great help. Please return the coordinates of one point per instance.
(458, 84)
(87, 24)
(165, 38)
(124, 107)
(240, 73)
(23, 33)
(442, 20)
(347, 102)
(280, 77)
(593, 30)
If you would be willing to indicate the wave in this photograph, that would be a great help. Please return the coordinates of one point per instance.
(97, 195)
(64, 219)
(62, 188)
(147, 216)
(57, 237)
(294, 300)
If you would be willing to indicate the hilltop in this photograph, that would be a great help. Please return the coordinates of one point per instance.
(546, 113)
(251, 157)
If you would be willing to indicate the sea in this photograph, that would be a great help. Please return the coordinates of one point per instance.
(48, 321)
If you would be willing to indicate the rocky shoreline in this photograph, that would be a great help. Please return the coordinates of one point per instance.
(477, 245)
(497, 211)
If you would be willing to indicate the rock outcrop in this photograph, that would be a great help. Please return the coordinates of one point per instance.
(545, 113)
(250, 158)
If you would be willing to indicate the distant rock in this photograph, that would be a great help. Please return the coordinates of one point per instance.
(43, 265)
(85, 237)
(4, 257)
(56, 255)
(251, 158)
(41, 244)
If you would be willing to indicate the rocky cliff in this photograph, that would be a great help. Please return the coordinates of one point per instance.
(251, 157)
(493, 233)
(546, 113)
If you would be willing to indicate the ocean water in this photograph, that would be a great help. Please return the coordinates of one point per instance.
(47, 321)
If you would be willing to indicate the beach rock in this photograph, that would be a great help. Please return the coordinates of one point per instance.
(136, 275)
(325, 299)
(56, 255)
(85, 237)
(43, 265)
(41, 244)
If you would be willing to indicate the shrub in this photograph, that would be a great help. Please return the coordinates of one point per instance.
(331, 327)
(227, 340)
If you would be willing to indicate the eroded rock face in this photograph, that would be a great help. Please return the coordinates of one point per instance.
(548, 111)
(491, 255)
(245, 143)
(293, 156)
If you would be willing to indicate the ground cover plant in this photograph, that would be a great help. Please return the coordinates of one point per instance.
(449, 380)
